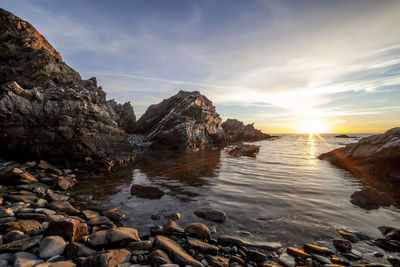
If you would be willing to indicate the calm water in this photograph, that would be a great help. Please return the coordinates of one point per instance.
(284, 194)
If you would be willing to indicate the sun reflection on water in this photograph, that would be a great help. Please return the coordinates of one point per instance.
(312, 151)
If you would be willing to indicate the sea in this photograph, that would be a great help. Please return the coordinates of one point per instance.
(283, 194)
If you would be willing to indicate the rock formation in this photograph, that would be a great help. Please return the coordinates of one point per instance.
(124, 115)
(46, 110)
(186, 122)
(236, 131)
(377, 156)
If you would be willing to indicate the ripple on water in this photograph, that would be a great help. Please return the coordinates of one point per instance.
(284, 193)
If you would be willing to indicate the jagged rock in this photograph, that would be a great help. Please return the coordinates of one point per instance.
(175, 252)
(124, 114)
(185, 122)
(376, 156)
(11, 174)
(236, 131)
(46, 110)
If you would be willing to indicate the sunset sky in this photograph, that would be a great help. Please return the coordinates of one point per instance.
(284, 65)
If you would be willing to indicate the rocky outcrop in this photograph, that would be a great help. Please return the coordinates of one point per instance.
(236, 131)
(46, 110)
(377, 156)
(185, 122)
(124, 115)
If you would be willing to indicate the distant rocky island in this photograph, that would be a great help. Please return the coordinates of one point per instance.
(54, 124)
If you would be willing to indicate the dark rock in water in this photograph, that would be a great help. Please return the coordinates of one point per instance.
(198, 230)
(236, 131)
(215, 215)
(244, 150)
(343, 136)
(145, 191)
(339, 261)
(230, 240)
(185, 122)
(370, 198)
(390, 232)
(46, 110)
(343, 245)
(175, 252)
(373, 156)
(387, 244)
(124, 115)
(395, 262)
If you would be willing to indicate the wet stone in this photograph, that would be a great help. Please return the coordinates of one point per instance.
(210, 214)
(310, 248)
(342, 245)
(297, 253)
(198, 230)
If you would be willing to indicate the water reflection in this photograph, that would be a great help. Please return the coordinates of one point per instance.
(285, 193)
(312, 151)
(178, 175)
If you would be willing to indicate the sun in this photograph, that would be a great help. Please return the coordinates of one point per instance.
(312, 127)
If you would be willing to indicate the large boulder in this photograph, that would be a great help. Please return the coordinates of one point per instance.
(46, 110)
(236, 131)
(186, 121)
(374, 156)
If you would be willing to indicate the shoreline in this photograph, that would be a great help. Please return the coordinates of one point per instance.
(40, 218)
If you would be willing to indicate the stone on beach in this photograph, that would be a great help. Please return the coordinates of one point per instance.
(198, 230)
(175, 252)
(210, 214)
(51, 246)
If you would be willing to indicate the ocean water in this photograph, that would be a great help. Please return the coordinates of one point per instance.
(285, 194)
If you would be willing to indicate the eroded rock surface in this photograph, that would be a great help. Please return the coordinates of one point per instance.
(185, 122)
(46, 110)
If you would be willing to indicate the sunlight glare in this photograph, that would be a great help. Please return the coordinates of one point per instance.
(312, 127)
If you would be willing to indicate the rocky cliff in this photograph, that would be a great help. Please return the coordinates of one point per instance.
(377, 156)
(236, 131)
(46, 110)
(124, 114)
(186, 122)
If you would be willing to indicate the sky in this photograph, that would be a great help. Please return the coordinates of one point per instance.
(288, 66)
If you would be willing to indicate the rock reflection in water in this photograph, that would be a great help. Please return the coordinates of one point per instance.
(170, 173)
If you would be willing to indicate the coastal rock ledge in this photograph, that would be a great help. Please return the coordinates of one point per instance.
(377, 156)
(47, 111)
